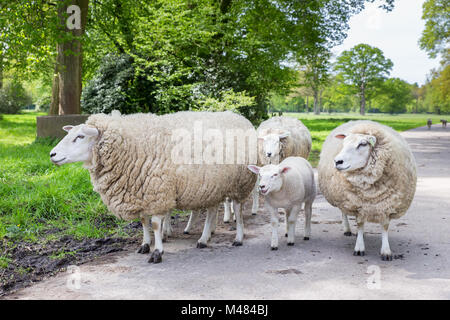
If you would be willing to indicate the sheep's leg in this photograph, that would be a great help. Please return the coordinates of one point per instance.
(214, 222)
(255, 195)
(167, 227)
(228, 210)
(156, 256)
(291, 220)
(274, 222)
(211, 215)
(192, 219)
(147, 239)
(239, 224)
(308, 215)
(359, 247)
(347, 230)
(386, 254)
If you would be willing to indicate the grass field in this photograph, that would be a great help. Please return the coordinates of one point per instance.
(41, 202)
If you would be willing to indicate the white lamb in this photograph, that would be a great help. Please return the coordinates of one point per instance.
(142, 165)
(278, 138)
(287, 185)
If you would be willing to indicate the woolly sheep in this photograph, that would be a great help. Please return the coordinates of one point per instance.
(279, 138)
(429, 123)
(134, 164)
(287, 185)
(367, 170)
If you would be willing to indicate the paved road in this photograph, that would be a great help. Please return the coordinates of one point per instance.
(323, 267)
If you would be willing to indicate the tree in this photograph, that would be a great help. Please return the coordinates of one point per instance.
(363, 68)
(395, 95)
(435, 36)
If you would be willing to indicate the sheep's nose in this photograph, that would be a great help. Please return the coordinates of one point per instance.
(269, 154)
(52, 154)
(338, 162)
(261, 186)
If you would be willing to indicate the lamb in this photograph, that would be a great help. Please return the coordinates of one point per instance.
(367, 170)
(429, 123)
(279, 138)
(444, 123)
(142, 165)
(287, 185)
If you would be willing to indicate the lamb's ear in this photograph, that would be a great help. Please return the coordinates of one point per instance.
(372, 140)
(284, 134)
(340, 136)
(67, 128)
(253, 168)
(284, 169)
(89, 131)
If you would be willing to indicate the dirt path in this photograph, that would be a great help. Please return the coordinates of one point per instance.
(322, 267)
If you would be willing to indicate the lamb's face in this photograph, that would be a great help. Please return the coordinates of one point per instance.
(270, 177)
(355, 151)
(76, 145)
(271, 144)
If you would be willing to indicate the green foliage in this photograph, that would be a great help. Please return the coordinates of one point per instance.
(230, 100)
(13, 97)
(437, 91)
(436, 34)
(395, 95)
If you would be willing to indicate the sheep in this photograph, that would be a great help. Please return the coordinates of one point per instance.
(367, 170)
(444, 123)
(429, 123)
(287, 185)
(279, 138)
(143, 165)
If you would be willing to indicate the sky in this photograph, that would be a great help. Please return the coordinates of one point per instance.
(397, 34)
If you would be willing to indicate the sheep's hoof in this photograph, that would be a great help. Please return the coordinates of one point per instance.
(273, 248)
(156, 257)
(237, 243)
(290, 243)
(201, 245)
(185, 232)
(348, 234)
(145, 248)
(305, 238)
(386, 257)
(254, 213)
(285, 235)
(359, 253)
(228, 221)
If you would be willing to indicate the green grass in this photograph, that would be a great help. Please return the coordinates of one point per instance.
(321, 125)
(40, 201)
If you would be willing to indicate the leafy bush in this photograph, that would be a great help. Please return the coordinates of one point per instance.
(13, 97)
(230, 100)
(123, 84)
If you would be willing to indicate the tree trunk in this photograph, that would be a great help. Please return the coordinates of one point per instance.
(362, 109)
(1, 71)
(69, 63)
(316, 102)
(54, 105)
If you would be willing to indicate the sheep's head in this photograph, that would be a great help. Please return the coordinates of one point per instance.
(76, 145)
(271, 144)
(270, 177)
(355, 151)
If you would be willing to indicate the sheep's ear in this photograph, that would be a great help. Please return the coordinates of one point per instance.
(89, 131)
(67, 128)
(254, 169)
(340, 136)
(372, 140)
(284, 169)
(284, 135)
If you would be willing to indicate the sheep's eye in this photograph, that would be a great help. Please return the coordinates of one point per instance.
(362, 143)
(78, 137)
(275, 174)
